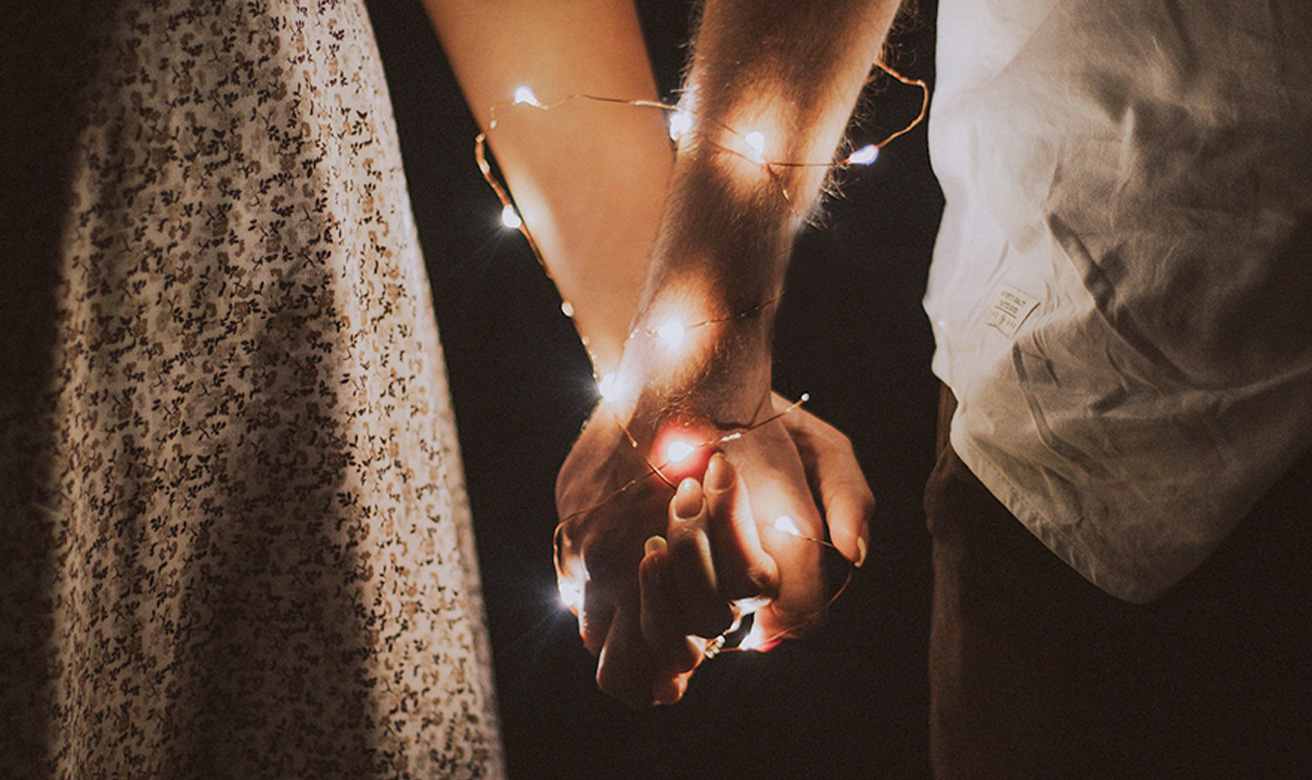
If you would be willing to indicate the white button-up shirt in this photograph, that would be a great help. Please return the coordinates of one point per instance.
(1121, 291)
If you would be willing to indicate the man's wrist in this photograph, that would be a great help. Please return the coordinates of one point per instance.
(711, 374)
(725, 236)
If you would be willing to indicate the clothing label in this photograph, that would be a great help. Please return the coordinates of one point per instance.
(1009, 309)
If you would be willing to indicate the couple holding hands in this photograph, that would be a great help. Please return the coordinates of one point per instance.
(673, 268)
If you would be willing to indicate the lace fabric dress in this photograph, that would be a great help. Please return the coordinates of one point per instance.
(235, 536)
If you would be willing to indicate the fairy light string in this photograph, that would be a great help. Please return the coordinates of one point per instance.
(680, 123)
(673, 331)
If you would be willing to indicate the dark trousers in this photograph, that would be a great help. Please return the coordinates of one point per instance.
(1035, 673)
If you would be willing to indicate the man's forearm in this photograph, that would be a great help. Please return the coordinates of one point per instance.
(784, 76)
(790, 71)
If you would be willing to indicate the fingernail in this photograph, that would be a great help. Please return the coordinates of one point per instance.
(860, 550)
(654, 544)
(688, 499)
(719, 473)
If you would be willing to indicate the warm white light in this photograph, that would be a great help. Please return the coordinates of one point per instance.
(748, 606)
(525, 95)
(754, 639)
(756, 140)
(611, 388)
(571, 595)
(865, 155)
(680, 123)
(510, 217)
(787, 525)
(678, 451)
(672, 333)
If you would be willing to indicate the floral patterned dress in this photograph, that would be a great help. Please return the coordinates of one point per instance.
(234, 540)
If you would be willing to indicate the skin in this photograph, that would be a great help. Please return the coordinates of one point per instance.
(710, 233)
(589, 180)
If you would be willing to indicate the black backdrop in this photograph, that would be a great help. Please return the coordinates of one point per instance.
(849, 701)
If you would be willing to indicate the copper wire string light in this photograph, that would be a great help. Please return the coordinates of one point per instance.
(673, 331)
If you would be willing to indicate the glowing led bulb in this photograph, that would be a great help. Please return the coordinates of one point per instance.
(680, 123)
(754, 639)
(786, 524)
(672, 333)
(865, 155)
(611, 388)
(510, 217)
(756, 140)
(525, 95)
(571, 595)
(678, 451)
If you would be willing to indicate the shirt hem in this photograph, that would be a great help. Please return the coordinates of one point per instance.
(1066, 547)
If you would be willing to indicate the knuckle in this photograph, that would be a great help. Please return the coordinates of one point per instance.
(685, 658)
(819, 427)
(618, 679)
(855, 488)
(610, 685)
(828, 429)
(841, 442)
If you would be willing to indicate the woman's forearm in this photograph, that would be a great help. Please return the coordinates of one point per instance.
(588, 179)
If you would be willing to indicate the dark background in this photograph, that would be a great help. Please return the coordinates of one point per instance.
(848, 701)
